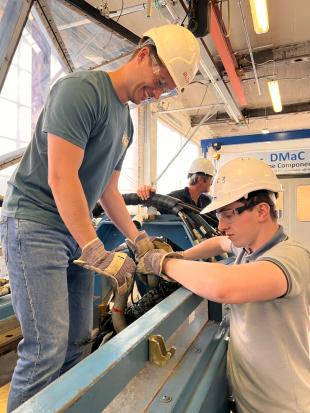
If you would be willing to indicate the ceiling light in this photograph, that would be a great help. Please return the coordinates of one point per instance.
(274, 92)
(265, 131)
(260, 18)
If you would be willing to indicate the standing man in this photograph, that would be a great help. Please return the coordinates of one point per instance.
(74, 159)
(269, 289)
(200, 176)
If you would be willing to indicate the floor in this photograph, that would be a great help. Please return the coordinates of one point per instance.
(4, 390)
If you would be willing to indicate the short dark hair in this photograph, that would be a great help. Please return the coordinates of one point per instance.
(256, 197)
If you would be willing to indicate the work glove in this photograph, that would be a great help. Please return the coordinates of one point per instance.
(115, 265)
(152, 262)
(143, 243)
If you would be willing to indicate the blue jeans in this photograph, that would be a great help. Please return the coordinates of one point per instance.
(52, 299)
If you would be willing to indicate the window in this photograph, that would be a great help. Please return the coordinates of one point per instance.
(169, 142)
(32, 72)
(128, 181)
(303, 203)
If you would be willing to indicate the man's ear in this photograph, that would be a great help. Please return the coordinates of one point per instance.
(143, 53)
(263, 210)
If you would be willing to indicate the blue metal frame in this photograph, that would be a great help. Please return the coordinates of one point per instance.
(260, 137)
(6, 309)
(167, 225)
(196, 387)
(96, 380)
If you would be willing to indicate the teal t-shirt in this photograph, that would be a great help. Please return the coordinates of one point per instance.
(84, 109)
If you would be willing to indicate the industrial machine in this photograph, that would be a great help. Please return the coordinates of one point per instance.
(171, 358)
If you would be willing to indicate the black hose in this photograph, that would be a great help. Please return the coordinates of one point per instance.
(205, 227)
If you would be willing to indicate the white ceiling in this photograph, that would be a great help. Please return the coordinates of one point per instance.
(283, 53)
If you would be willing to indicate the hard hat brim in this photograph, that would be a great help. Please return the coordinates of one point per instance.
(214, 205)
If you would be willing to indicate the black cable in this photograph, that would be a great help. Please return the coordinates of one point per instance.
(207, 227)
(186, 15)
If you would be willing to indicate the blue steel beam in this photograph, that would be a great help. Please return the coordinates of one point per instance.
(259, 137)
(6, 309)
(190, 384)
(97, 379)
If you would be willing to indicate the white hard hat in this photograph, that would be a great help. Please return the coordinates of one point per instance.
(179, 51)
(202, 165)
(237, 178)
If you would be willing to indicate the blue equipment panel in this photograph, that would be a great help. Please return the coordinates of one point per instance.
(168, 226)
(194, 380)
(6, 309)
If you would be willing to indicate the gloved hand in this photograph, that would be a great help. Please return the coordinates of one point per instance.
(152, 262)
(115, 265)
(143, 243)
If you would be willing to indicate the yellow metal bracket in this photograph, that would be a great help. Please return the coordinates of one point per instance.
(158, 353)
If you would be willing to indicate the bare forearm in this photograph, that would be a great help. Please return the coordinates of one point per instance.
(73, 209)
(202, 278)
(114, 205)
(232, 284)
(208, 248)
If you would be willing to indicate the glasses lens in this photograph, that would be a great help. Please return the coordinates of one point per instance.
(225, 214)
(160, 82)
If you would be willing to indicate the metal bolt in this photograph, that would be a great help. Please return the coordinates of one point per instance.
(165, 399)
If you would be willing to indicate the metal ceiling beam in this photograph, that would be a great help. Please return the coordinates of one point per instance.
(292, 53)
(85, 9)
(209, 71)
(114, 13)
(11, 31)
(189, 108)
(255, 138)
(260, 113)
(11, 158)
(224, 49)
(46, 19)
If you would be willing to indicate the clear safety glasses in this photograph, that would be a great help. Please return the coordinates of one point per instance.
(160, 82)
(229, 214)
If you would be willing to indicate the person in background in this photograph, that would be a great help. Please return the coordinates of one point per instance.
(75, 157)
(268, 289)
(200, 176)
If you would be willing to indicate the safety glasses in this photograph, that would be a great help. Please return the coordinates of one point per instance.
(229, 214)
(160, 82)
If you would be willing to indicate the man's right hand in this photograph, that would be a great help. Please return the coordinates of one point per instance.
(144, 192)
(115, 265)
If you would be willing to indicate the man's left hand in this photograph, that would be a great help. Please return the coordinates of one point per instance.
(143, 243)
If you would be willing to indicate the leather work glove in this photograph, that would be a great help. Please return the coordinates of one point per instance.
(152, 262)
(115, 265)
(143, 243)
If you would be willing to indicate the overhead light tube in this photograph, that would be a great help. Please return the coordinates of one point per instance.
(274, 91)
(259, 10)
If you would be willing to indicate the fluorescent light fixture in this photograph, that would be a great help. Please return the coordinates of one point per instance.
(274, 92)
(260, 18)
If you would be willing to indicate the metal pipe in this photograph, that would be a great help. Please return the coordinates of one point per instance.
(189, 108)
(249, 46)
(209, 71)
(133, 9)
